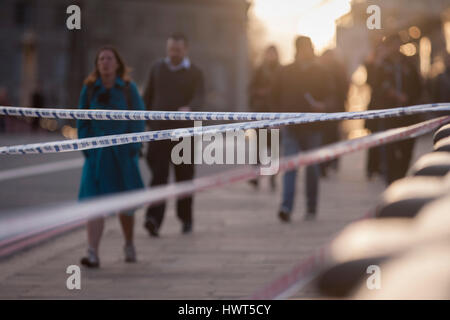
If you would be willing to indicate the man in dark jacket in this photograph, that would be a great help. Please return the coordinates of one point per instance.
(260, 90)
(175, 84)
(341, 84)
(441, 88)
(400, 85)
(303, 86)
(374, 66)
(262, 81)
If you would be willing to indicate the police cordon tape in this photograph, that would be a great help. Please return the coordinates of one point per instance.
(120, 139)
(17, 226)
(83, 114)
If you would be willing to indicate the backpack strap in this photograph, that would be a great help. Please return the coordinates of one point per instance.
(127, 92)
(91, 89)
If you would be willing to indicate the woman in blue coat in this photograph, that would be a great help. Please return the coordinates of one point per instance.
(111, 169)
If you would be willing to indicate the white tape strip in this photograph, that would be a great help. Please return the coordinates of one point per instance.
(240, 116)
(113, 140)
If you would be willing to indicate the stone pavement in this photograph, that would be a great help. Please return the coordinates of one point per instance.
(237, 247)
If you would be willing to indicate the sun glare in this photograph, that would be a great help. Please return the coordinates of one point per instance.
(284, 19)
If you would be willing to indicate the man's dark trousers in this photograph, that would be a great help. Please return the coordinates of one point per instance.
(159, 162)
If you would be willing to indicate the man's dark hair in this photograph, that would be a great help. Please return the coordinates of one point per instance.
(179, 36)
(302, 42)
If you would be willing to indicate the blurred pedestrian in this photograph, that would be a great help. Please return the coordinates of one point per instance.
(37, 101)
(303, 86)
(374, 65)
(260, 89)
(401, 85)
(112, 169)
(441, 87)
(3, 102)
(341, 84)
(174, 84)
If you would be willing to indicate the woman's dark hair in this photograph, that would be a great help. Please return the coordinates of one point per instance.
(123, 71)
(179, 36)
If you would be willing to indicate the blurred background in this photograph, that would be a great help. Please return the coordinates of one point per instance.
(44, 64)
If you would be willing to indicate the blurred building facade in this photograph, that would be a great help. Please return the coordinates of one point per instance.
(38, 51)
(414, 20)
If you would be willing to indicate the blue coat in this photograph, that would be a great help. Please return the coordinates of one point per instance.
(111, 169)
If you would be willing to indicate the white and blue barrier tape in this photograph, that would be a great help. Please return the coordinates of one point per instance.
(222, 116)
(113, 140)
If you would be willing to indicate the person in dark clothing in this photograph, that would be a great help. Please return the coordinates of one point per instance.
(374, 65)
(260, 89)
(112, 169)
(441, 87)
(341, 86)
(263, 80)
(174, 84)
(37, 101)
(303, 86)
(3, 102)
(400, 85)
